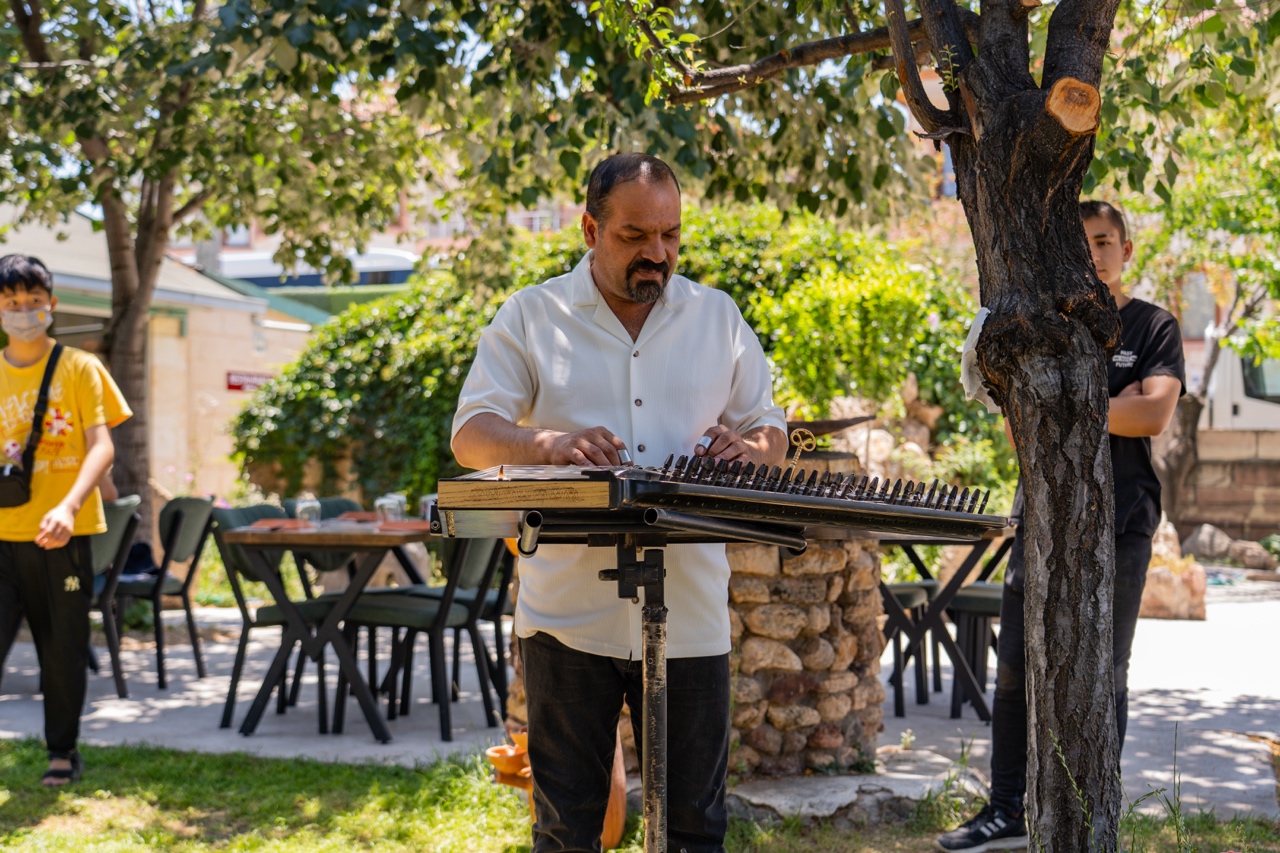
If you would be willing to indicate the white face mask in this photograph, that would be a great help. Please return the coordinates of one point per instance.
(26, 326)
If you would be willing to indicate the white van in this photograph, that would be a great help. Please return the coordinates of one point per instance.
(1242, 395)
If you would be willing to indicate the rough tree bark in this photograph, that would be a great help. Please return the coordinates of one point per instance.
(1021, 150)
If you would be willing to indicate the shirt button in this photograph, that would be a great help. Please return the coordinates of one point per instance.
(637, 401)
(640, 447)
(635, 354)
(635, 600)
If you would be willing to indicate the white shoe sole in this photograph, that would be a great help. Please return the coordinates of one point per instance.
(997, 844)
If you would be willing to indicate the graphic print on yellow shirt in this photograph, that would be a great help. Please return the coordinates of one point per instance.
(82, 395)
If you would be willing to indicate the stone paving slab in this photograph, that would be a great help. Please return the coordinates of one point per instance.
(1210, 685)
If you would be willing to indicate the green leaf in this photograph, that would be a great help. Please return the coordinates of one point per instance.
(1243, 67)
(1165, 195)
(570, 161)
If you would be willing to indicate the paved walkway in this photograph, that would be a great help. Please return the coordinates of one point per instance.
(1215, 681)
(186, 715)
(1210, 684)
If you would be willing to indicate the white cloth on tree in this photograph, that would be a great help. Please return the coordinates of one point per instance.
(970, 375)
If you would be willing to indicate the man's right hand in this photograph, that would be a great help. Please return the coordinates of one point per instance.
(593, 446)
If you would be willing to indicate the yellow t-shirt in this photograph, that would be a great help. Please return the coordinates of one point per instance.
(81, 395)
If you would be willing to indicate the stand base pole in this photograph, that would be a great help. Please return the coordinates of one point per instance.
(655, 728)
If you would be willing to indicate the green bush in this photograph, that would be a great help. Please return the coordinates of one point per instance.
(837, 311)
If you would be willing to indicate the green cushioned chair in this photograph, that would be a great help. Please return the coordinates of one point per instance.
(974, 610)
(497, 604)
(110, 553)
(184, 527)
(470, 566)
(237, 566)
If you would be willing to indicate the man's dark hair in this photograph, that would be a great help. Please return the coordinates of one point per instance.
(1092, 209)
(621, 169)
(23, 272)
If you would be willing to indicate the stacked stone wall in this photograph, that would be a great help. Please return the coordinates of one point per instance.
(807, 641)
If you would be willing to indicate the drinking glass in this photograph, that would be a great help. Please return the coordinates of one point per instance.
(390, 507)
(307, 510)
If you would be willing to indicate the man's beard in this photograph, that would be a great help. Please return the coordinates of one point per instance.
(646, 291)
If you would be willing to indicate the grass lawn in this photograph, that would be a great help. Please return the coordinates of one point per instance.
(143, 799)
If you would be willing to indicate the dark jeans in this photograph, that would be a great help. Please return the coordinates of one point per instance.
(575, 700)
(1009, 709)
(53, 589)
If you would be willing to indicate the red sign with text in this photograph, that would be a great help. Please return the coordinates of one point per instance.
(246, 380)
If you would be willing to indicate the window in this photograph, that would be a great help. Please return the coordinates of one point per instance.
(238, 236)
(1262, 380)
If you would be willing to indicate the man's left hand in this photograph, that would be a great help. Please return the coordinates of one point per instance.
(56, 527)
(727, 444)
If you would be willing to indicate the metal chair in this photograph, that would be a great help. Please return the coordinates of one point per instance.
(110, 552)
(974, 610)
(470, 567)
(184, 528)
(237, 565)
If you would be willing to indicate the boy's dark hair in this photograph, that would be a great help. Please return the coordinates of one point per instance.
(1091, 209)
(621, 169)
(23, 272)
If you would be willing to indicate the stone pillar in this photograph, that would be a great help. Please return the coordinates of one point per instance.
(807, 644)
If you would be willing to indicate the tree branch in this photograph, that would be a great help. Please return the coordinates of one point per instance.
(951, 31)
(191, 205)
(1004, 45)
(930, 117)
(29, 24)
(672, 57)
(63, 63)
(722, 81)
(1079, 34)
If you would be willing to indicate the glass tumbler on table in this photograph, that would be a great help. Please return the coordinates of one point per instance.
(390, 508)
(307, 511)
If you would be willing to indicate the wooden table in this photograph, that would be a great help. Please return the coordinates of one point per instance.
(370, 545)
(916, 632)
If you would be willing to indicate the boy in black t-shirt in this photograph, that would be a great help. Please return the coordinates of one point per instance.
(1145, 377)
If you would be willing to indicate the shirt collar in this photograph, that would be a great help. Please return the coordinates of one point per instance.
(679, 289)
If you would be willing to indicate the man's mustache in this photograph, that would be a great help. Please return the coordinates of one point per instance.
(662, 268)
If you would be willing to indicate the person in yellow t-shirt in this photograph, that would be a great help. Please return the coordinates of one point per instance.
(46, 570)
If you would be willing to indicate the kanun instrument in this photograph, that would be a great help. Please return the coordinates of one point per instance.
(699, 499)
(639, 510)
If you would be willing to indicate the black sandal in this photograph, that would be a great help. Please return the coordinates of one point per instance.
(63, 776)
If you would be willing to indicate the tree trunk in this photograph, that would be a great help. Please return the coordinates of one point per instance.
(1043, 352)
(1178, 455)
(132, 473)
(136, 255)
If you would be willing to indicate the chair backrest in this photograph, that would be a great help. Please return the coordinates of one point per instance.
(233, 556)
(329, 507)
(191, 516)
(477, 564)
(107, 547)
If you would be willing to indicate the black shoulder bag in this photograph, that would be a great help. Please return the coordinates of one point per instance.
(15, 480)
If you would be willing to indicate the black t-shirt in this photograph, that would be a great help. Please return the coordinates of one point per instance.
(1150, 345)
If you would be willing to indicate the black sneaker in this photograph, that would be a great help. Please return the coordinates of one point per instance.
(990, 829)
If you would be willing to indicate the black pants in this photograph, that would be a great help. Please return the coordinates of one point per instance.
(1009, 709)
(53, 589)
(575, 700)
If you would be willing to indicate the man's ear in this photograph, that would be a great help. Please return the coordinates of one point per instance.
(1128, 251)
(590, 230)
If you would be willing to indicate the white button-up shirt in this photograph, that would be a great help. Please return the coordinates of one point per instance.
(557, 357)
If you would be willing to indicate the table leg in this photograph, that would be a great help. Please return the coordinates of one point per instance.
(277, 669)
(932, 621)
(330, 633)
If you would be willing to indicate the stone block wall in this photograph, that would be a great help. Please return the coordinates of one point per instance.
(807, 643)
(1235, 484)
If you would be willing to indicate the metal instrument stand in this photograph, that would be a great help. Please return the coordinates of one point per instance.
(638, 567)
